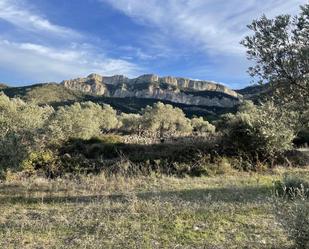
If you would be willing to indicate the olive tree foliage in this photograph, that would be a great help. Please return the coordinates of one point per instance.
(162, 120)
(201, 126)
(82, 120)
(131, 123)
(21, 127)
(261, 132)
(280, 49)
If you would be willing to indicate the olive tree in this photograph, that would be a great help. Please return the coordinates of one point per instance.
(260, 131)
(200, 125)
(131, 123)
(162, 120)
(82, 120)
(21, 127)
(280, 49)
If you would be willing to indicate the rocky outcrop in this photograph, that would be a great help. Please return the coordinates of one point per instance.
(3, 86)
(178, 90)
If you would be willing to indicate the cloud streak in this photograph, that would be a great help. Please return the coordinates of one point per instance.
(54, 52)
(214, 25)
(40, 63)
(13, 12)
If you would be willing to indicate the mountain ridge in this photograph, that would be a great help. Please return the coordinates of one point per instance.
(174, 89)
(201, 103)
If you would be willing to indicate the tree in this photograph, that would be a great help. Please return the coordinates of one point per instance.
(131, 123)
(162, 119)
(21, 127)
(202, 126)
(280, 49)
(261, 132)
(82, 120)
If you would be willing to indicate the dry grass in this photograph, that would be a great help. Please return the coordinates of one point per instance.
(99, 212)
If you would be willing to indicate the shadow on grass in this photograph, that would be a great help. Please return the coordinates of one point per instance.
(228, 195)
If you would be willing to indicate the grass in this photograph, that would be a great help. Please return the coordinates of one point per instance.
(146, 212)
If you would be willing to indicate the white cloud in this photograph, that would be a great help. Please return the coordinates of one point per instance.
(44, 60)
(40, 63)
(213, 25)
(14, 12)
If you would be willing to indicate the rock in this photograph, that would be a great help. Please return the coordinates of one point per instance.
(177, 90)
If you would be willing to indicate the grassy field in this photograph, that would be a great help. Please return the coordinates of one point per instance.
(232, 211)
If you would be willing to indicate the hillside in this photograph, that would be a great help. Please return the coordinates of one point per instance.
(255, 92)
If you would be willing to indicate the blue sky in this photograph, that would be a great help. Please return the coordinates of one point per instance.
(52, 40)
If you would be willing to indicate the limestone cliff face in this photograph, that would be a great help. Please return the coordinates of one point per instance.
(178, 90)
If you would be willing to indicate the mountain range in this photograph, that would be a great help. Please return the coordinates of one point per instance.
(195, 97)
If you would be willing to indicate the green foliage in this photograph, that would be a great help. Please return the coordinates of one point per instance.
(261, 132)
(161, 119)
(44, 163)
(131, 123)
(281, 51)
(21, 129)
(82, 120)
(202, 126)
(108, 139)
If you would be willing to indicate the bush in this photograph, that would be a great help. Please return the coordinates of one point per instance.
(298, 158)
(21, 130)
(295, 219)
(200, 125)
(44, 163)
(163, 119)
(131, 123)
(258, 132)
(82, 120)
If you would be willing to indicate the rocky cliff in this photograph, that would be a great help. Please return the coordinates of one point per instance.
(177, 90)
(3, 86)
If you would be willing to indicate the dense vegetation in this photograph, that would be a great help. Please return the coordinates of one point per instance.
(90, 138)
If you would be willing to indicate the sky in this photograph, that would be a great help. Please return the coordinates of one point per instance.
(53, 40)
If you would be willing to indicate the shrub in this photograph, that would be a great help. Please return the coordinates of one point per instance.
(259, 132)
(294, 216)
(44, 163)
(131, 123)
(21, 130)
(82, 120)
(163, 119)
(200, 125)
